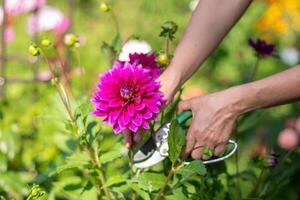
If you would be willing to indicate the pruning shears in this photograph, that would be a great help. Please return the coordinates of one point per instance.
(155, 149)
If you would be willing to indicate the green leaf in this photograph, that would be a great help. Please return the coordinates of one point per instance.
(178, 194)
(151, 181)
(110, 156)
(170, 111)
(74, 161)
(11, 182)
(116, 179)
(139, 191)
(195, 167)
(90, 194)
(176, 140)
(117, 43)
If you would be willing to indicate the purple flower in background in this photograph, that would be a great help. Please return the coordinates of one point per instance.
(128, 97)
(272, 160)
(262, 48)
(148, 61)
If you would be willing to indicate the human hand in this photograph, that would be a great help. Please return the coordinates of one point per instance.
(214, 119)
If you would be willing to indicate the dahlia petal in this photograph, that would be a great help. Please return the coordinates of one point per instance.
(126, 117)
(153, 108)
(99, 113)
(133, 127)
(140, 107)
(147, 114)
(138, 119)
(115, 103)
(146, 125)
(131, 110)
(117, 129)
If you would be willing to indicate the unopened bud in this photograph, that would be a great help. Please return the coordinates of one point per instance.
(46, 43)
(34, 50)
(70, 39)
(104, 7)
(163, 59)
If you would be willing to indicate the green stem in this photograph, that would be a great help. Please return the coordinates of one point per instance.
(237, 171)
(133, 194)
(167, 47)
(255, 68)
(163, 188)
(258, 183)
(98, 168)
(114, 18)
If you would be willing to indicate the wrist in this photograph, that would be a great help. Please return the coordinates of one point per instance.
(170, 83)
(242, 99)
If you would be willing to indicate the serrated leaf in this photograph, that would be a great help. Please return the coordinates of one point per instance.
(195, 167)
(178, 194)
(151, 181)
(116, 179)
(110, 156)
(176, 140)
(74, 161)
(139, 191)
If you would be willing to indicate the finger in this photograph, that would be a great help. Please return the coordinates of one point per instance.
(128, 138)
(219, 149)
(137, 137)
(184, 105)
(197, 153)
(190, 143)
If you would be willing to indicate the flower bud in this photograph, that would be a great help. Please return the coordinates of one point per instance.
(170, 26)
(34, 50)
(46, 43)
(70, 39)
(54, 81)
(104, 7)
(163, 59)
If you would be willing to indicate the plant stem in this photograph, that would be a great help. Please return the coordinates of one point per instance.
(163, 188)
(133, 194)
(167, 47)
(255, 68)
(114, 18)
(237, 168)
(258, 183)
(98, 168)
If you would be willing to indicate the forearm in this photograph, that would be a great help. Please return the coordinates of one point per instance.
(210, 22)
(275, 90)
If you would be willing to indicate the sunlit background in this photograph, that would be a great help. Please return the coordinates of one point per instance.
(32, 134)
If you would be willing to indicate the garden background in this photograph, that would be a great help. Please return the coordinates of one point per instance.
(34, 140)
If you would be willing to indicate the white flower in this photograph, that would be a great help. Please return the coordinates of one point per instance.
(47, 19)
(16, 7)
(290, 56)
(133, 46)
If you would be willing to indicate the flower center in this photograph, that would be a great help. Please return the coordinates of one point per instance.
(126, 92)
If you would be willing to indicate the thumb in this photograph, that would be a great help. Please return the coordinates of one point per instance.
(184, 105)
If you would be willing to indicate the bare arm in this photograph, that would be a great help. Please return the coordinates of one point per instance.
(210, 22)
(215, 115)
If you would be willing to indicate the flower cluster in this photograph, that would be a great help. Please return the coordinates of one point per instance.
(262, 48)
(128, 95)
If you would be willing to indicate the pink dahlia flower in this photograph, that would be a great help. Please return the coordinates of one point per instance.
(128, 97)
(148, 61)
(17, 7)
(47, 19)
